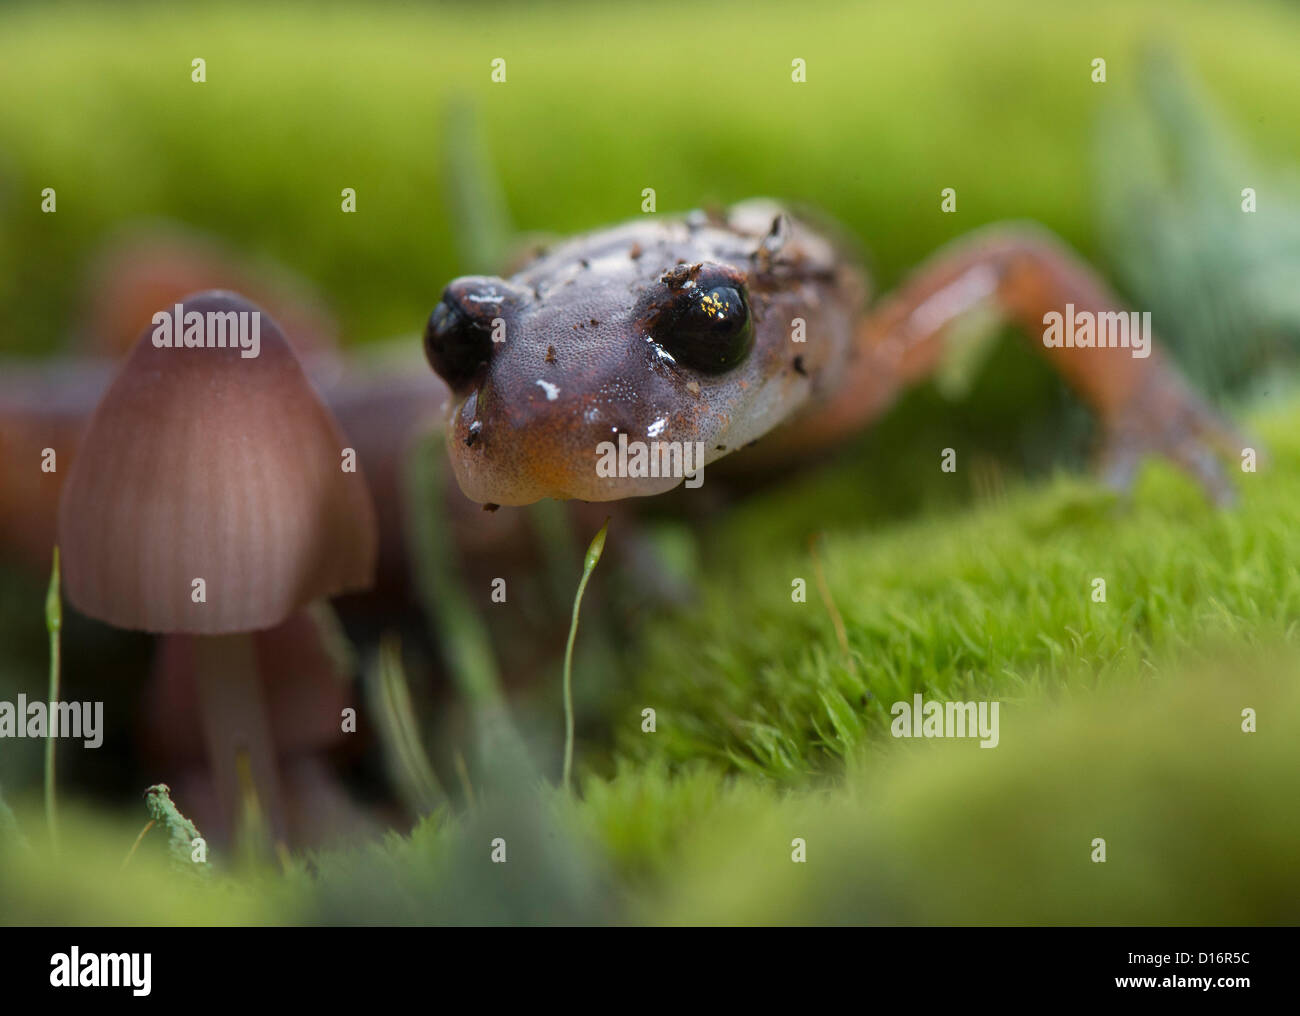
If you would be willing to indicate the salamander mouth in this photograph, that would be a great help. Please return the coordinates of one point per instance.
(497, 463)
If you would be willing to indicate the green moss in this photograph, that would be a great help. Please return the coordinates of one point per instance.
(86, 883)
(993, 601)
(1198, 819)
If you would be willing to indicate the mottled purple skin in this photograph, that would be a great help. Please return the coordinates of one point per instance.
(579, 365)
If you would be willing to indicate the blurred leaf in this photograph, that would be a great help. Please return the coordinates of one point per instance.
(1219, 282)
(390, 698)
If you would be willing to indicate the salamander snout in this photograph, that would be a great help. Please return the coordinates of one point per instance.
(466, 327)
(543, 387)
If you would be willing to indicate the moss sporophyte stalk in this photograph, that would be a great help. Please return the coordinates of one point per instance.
(589, 563)
(54, 625)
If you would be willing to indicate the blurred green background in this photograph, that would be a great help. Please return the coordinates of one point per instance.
(600, 101)
(1121, 721)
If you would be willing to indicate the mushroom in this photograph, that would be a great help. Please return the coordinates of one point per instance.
(305, 687)
(306, 677)
(209, 498)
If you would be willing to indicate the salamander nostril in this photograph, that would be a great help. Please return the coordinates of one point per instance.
(457, 346)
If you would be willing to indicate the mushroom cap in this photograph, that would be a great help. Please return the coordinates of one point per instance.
(203, 463)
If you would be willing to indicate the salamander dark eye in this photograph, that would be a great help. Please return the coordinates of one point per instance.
(708, 328)
(457, 346)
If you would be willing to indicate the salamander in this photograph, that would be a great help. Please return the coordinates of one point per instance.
(752, 326)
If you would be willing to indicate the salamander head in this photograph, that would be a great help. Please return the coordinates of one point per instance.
(660, 333)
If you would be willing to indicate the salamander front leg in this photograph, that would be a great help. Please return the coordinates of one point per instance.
(1023, 275)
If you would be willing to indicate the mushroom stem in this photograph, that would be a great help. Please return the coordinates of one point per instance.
(235, 723)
